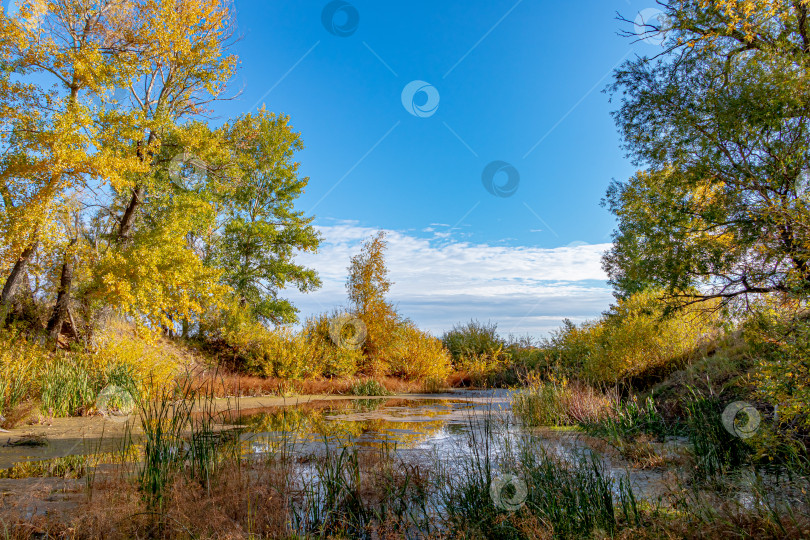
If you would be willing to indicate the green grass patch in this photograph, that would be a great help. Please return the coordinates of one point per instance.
(368, 387)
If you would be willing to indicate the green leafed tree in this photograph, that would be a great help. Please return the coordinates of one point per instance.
(261, 230)
(719, 123)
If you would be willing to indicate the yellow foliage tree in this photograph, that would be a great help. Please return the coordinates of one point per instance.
(82, 139)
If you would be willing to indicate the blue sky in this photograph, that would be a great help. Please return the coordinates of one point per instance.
(515, 82)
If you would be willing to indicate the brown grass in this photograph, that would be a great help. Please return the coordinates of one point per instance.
(251, 498)
(245, 499)
(231, 385)
(13, 417)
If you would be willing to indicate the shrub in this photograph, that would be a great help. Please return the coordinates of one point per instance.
(139, 364)
(636, 339)
(326, 357)
(417, 355)
(781, 344)
(472, 340)
(284, 354)
(251, 347)
(478, 351)
(525, 354)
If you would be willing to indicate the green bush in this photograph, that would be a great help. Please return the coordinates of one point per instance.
(472, 340)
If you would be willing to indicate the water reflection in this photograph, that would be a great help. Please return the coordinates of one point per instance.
(390, 422)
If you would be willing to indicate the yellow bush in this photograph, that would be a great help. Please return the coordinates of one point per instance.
(483, 367)
(325, 356)
(152, 365)
(638, 337)
(20, 361)
(286, 355)
(68, 382)
(634, 338)
(417, 355)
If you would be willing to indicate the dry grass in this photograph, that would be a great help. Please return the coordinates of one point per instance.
(643, 453)
(230, 385)
(258, 498)
(246, 499)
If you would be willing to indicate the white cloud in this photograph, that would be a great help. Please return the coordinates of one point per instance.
(439, 282)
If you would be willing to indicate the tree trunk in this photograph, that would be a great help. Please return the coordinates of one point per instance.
(128, 219)
(60, 310)
(13, 281)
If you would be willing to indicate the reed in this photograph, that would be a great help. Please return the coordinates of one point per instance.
(180, 437)
(561, 403)
(716, 451)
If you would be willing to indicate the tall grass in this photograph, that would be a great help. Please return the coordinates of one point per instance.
(193, 483)
(561, 403)
(569, 497)
(629, 419)
(368, 387)
(14, 386)
(716, 451)
(71, 385)
(20, 359)
(68, 388)
(180, 437)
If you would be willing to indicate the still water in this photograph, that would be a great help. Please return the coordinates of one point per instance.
(439, 427)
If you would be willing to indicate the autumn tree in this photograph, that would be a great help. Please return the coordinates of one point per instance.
(180, 65)
(367, 287)
(113, 179)
(368, 280)
(719, 123)
(127, 74)
(55, 54)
